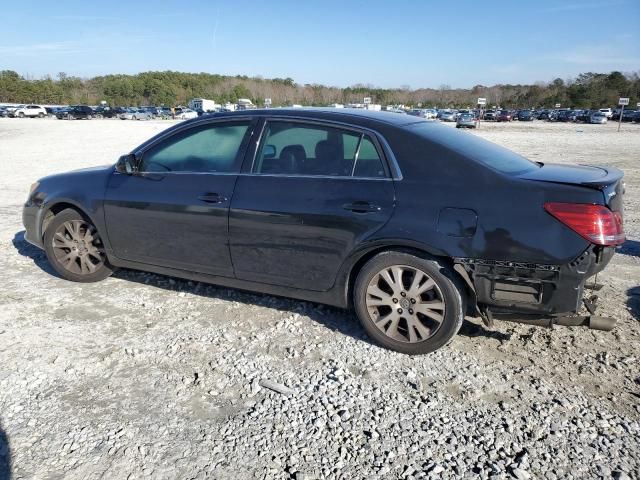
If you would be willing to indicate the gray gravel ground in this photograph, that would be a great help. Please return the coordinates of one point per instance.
(143, 376)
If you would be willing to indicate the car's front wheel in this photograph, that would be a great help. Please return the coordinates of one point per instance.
(407, 303)
(74, 248)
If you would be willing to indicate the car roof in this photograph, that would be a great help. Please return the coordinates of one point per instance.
(350, 115)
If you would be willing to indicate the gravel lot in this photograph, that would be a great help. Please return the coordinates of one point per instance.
(143, 376)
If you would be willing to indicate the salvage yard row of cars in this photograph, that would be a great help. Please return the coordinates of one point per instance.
(464, 118)
(599, 116)
(85, 112)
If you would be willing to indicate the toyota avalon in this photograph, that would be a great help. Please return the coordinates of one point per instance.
(410, 224)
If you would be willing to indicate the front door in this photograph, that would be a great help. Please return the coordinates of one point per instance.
(313, 193)
(174, 211)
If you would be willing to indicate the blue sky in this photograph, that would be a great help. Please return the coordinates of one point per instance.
(390, 43)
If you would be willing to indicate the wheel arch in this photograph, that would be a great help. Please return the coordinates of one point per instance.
(55, 208)
(404, 247)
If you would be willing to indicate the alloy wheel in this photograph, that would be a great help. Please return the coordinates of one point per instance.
(405, 303)
(78, 248)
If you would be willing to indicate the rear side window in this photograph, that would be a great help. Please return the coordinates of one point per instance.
(474, 148)
(205, 149)
(369, 163)
(294, 148)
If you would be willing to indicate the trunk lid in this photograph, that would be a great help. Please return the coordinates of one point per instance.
(606, 179)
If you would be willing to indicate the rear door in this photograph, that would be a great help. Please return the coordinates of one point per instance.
(174, 211)
(313, 192)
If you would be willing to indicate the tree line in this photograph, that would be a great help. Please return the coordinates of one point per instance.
(587, 90)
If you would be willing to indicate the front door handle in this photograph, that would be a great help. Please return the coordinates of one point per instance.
(212, 198)
(361, 207)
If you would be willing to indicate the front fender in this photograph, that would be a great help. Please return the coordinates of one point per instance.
(82, 190)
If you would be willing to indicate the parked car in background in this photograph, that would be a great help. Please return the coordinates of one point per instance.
(448, 116)
(616, 114)
(490, 115)
(598, 117)
(628, 115)
(135, 114)
(186, 114)
(151, 110)
(525, 116)
(466, 120)
(584, 116)
(607, 112)
(563, 116)
(75, 112)
(580, 115)
(543, 115)
(636, 117)
(108, 112)
(3, 111)
(504, 116)
(12, 108)
(427, 114)
(260, 193)
(29, 111)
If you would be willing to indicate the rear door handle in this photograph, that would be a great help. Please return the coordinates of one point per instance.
(212, 198)
(361, 207)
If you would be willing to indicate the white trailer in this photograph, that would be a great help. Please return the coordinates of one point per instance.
(203, 104)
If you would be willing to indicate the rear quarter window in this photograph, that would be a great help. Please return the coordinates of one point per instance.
(476, 149)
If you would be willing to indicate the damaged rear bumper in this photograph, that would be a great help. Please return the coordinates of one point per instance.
(504, 287)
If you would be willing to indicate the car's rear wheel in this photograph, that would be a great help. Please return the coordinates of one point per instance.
(21, 115)
(41, 115)
(407, 303)
(74, 248)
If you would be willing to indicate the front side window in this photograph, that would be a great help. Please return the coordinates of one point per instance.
(294, 148)
(206, 149)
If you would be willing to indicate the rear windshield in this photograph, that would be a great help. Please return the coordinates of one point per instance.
(475, 148)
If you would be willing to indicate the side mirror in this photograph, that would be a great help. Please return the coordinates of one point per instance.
(127, 164)
(269, 151)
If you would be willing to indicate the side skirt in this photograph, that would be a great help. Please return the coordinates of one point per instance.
(330, 297)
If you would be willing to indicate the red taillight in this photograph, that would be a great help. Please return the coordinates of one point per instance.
(595, 223)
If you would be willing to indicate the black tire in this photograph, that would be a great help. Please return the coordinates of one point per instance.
(41, 115)
(21, 115)
(78, 269)
(448, 288)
